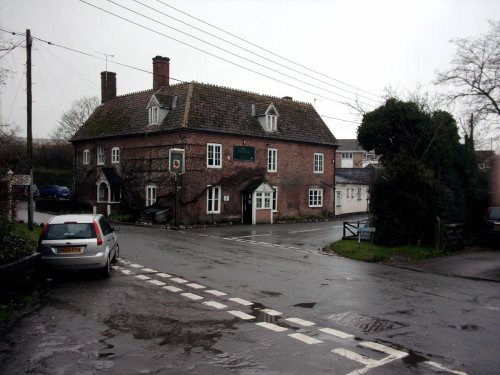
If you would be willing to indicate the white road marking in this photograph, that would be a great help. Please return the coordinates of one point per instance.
(250, 236)
(192, 296)
(270, 312)
(303, 231)
(383, 348)
(165, 275)
(115, 267)
(178, 280)
(217, 305)
(441, 367)
(172, 288)
(337, 333)
(149, 270)
(156, 282)
(215, 293)
(123, 261)
(305, 339)
(272, 327)
(134, 265)
(241, 301)
(126, 272)
(143, 277)
(368, 362)
(301, 322)
(354, 356)
(196, 286)
(241, 315)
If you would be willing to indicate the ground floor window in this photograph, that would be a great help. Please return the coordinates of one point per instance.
(338, 199)
(213, 200)
(275, 199)
(102, 192)
(315, 197)
(150, 194)
(263, 200)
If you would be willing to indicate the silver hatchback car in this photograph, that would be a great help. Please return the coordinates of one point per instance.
(79, 242)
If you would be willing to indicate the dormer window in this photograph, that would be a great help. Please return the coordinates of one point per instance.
(268, 118)
(154, 114)
(271, 123)
(159, 106)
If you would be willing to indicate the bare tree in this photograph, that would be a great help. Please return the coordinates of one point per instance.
(474, 77)
(6, 47)
(75, 117)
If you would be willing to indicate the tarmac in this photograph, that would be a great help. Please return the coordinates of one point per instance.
(472, 263)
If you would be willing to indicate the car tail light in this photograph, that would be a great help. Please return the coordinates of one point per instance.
(42, 235)
(98, 233)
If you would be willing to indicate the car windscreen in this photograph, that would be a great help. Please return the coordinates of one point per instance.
(494, 214)
(70, 231)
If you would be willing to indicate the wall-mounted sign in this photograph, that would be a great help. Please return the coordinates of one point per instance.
(244, 153)
(176, 160)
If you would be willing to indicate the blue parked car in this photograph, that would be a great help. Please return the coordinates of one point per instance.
(54, 191)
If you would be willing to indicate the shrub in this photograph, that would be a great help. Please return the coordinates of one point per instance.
(14, 244)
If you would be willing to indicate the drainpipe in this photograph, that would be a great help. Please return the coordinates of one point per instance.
(334, 186)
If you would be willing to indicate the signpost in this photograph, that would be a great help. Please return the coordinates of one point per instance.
(366, 230)
(177, 166)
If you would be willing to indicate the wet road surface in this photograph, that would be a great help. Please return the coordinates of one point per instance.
(255, 300)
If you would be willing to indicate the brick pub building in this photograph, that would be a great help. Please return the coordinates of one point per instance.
(213, 154)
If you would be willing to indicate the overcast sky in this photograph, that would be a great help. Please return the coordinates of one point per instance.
(345, 49)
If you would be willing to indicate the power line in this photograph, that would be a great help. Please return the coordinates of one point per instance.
(212, 54)
(146, 71)
(266, 50)
(339, 119)
(246, 50)
(99, 57)
(232, 53)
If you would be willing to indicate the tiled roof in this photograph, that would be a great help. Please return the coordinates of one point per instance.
(206, 108)
(349, 145)
(359, 176)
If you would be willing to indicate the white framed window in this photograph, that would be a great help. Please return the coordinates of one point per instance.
(214, 155)
(213, 200)
(319, 163)
(272, 160)
(275, 199)
(151, 194)
(370, 156)
(86, 157)
(347, 155)
(359, 194)
(115, 155)
(338, 200)
(154, 115)
(315, 197)
(100, 155)
(271, 123)
(263, 200)
(102, 192)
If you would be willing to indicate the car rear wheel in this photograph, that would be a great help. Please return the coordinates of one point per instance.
(117, 255)
(106, 270)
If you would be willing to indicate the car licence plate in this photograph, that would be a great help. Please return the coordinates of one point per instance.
(70, 250)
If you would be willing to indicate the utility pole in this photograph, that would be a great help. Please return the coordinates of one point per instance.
(472, 130)
(29, 137)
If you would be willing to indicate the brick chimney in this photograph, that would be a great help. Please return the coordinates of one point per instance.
(161, 72)
(108, 86)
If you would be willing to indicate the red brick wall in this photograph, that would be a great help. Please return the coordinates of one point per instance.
(144, 160)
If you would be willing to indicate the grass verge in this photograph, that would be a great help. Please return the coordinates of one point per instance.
(375, 253)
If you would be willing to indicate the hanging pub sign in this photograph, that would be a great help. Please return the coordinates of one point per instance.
(176, 160)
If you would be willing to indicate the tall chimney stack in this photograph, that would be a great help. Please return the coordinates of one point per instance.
(161, 72)
(108, 86)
